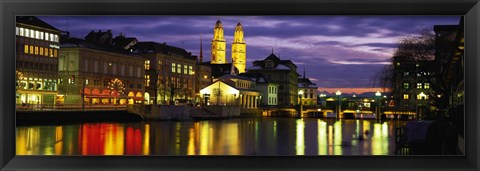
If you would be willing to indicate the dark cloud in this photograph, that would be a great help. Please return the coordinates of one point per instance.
(337, 51)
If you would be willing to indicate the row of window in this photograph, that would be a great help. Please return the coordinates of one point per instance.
(35, 34)
(36, 50)
(419, 85)
(111, 68)
(406, 74)
(419, 97)
(272, 100)
(38, 84)
(37, 66)
(272, 90)
(98, 83)
(242, 84)
(177, 68)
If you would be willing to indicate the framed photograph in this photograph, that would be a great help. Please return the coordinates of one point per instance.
(187, 85)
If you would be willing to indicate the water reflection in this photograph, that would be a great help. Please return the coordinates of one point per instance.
(270, 136)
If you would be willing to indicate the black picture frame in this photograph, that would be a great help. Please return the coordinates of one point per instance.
(10, 8)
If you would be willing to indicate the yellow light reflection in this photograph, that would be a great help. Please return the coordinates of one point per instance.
(322, 137)
(146, 140)
(204, 139)
(191, 142)
(300, 146)
(337, 138)
(377, 140)
(178, 126)
(58, 140)
(330, 140)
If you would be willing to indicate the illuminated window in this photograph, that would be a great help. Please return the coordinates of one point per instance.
(405, 74)
(426, 85)
(27, 32)
(147, 65)
(46, 51)
(17, 31)
(406, 96)
(47, 35)
(419, 85)
(51, 52)
(51, 37)
(37, 34)
(398, 63)
(25, 49)
(41, 50)
(32, 33)
(22, 31)
(56, 38)
(406, 85)
(190, 70)
(42, 35)
(55, 53)
(36, 50)
(179, 68)
(173, 67)
(31, 50)
(185, 69)
(147, 80)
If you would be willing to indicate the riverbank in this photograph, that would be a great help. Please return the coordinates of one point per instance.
(69, 117)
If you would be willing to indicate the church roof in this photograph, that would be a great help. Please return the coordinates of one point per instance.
(154, 47)
(278, 63)
(81, 43)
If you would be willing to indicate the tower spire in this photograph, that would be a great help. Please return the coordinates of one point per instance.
(304, 72)
(201, 49)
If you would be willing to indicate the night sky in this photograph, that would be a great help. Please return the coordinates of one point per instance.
(338, 52)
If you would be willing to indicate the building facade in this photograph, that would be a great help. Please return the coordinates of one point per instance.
(219, 45)
(169, 72)
(232, 90)
(239, 49)
(308, 91)
(105, 75)
(412, 90)
(280, 72)
(268, 91)
(37, 50)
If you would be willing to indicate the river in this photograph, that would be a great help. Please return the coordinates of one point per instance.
(254, 136)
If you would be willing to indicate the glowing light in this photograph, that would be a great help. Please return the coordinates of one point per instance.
(322, 137)
(300, 143)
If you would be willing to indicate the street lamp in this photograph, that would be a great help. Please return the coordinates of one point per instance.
(378, 94)
(338, 93)
(300, 94)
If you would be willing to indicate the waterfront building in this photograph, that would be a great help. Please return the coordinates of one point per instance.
(412, 81)
(219, 45)
(452, 75)
(239, 49)
(169, 72)
(37, 49)
(232, 90)
(281, 72)
(308, 91)
(268, 91)
(107, 75)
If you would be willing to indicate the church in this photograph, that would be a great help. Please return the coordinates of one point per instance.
(219, 63)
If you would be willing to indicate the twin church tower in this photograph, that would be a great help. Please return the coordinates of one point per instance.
(239, 58)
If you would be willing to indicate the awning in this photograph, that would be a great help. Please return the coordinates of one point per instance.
(138, 98)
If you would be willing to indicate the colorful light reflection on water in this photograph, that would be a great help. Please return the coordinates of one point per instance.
(268, 136)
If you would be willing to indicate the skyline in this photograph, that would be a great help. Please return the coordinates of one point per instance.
(337, 52)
